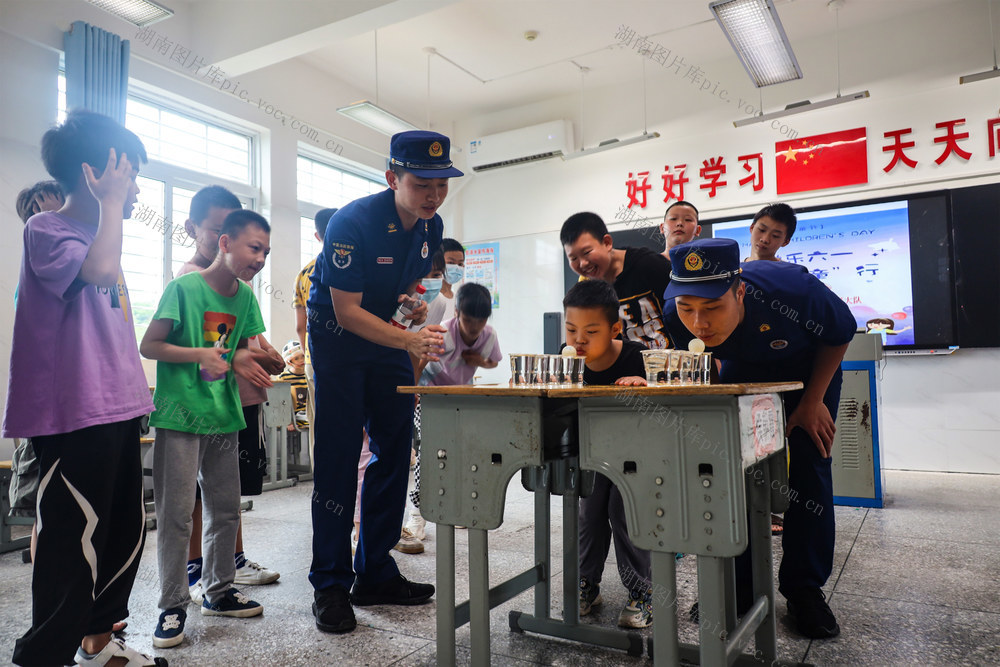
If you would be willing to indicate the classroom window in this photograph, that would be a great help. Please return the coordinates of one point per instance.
(325, 185)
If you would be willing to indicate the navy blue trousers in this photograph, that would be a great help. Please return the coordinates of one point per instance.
(810, 530)
(352, 395)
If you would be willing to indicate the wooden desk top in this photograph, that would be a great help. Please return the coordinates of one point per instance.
(605, 390)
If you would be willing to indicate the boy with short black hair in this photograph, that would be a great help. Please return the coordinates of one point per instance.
(731, 309)
(469, 341)
(208, 210)
(680, 225)
(593, 328)
(772, 228)
(38, 198)
(202, 323)
(639, 275)
(81, 400)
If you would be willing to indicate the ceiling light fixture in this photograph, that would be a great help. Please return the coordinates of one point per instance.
(608, 144)
(988, 74)
(372, 115)
(137, 12)
(801, 107)
(755, 33)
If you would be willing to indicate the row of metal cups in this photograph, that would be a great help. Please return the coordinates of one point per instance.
(678, 367)
(546, 369)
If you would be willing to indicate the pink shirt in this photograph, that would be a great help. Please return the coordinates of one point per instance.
(452, 368)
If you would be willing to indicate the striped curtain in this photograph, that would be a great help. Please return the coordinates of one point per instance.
(96, 70)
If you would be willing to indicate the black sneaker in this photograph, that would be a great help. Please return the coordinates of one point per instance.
(812, 615)
(333, 611)
(398, 590)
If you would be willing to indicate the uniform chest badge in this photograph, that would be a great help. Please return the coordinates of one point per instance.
(765, 328)
(341, 258)
(779, 344)
(423, 250)
(383, 260)
(392, 227)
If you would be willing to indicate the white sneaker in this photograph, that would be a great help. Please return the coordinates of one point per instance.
(408, 544)
(417, 525)
(197, 593)
(253, 574)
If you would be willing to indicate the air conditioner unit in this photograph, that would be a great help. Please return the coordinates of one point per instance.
(528, 144)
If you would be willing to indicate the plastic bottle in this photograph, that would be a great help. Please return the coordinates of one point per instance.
(400, 318)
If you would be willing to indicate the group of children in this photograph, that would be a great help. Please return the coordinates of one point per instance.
(82, 408)
(695, 289)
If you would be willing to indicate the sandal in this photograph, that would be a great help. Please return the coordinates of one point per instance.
(117, 648)
(777, 524)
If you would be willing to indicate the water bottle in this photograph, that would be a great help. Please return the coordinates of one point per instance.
(401, 319)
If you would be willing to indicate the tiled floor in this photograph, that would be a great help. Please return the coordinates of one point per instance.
(916, 583)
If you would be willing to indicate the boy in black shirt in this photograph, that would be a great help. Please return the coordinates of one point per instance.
(639, 276)
(593, 328)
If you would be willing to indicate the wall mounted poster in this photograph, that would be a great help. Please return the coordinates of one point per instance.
(482, 265)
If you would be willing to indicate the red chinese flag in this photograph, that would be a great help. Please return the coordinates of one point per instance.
(822, 161)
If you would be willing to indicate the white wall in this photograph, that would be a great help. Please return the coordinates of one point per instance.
(939, 411)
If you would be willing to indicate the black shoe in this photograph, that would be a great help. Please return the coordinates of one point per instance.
(812, 615)
(333, 610)
(397, 590)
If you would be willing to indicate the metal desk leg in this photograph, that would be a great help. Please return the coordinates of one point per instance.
(730, 588)
(543, 550)
(711, 609)
(571, 558)
(760, 550)
(445, 535)
(479, 596)
(665, 608)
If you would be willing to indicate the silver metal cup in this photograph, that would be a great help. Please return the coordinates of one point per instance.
(522, 368)
(703, 368)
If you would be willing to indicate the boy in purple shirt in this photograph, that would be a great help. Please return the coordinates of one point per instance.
(80, 402)
(469, 342)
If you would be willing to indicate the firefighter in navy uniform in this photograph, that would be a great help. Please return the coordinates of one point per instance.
(375, 251)
(769, 322)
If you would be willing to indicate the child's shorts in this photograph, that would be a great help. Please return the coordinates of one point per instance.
(24, 480)
(253, 456)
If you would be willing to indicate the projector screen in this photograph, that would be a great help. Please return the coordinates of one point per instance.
(890, 261)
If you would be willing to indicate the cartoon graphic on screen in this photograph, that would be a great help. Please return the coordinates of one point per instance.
(217, 328)
(883, 325)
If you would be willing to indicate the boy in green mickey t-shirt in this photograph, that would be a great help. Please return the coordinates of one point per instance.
(202, 324)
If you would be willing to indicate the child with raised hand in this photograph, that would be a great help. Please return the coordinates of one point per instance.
(593, 328)
(81, 400)
(202, 323)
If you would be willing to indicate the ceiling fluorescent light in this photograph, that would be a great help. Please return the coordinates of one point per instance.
(376, 118)
(613, 143)
(138, 12)
(792, 109)
(755, 33)
(981, 76)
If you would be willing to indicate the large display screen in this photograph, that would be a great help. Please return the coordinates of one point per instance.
(888, 260)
